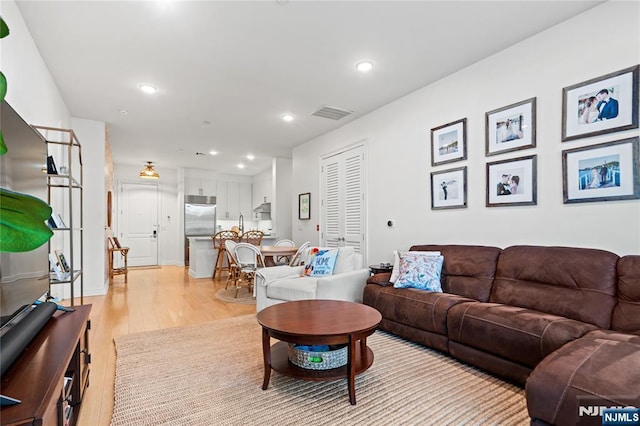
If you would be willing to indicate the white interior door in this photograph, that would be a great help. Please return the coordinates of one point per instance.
(139, 222)
(342, 203)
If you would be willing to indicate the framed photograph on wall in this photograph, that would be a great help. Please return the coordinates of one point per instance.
(601, 105)
(511, 128)
(449, 142)
(304, 206)
(512, 182)
(602, 172)
(449, 189)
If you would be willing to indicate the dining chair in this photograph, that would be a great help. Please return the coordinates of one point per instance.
(218, 244)
(252, 237)
(234, 268)
(297, 258)
(283, 260)
(114, 246)
(249, 260)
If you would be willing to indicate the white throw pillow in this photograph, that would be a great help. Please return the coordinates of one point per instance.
(395, 273)
(344, 263)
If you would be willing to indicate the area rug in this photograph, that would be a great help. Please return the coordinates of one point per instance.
(211, 374)
(245, 297)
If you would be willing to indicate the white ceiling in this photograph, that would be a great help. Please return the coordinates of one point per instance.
(241, 65)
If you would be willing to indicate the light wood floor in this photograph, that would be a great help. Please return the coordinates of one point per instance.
(153, 299)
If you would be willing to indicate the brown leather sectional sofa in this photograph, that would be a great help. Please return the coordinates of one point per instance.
(563, 321)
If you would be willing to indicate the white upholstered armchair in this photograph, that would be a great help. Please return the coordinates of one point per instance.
(284, 283)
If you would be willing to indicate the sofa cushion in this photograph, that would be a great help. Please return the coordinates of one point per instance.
(626, 314)
(298, 288)
(420, 271)
(575, 283)
(345, 260)
(467, 270)
(415, 308)
(584, 373)
(613, 335)
(517, 334)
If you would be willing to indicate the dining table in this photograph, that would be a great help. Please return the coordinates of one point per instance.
(272, 252)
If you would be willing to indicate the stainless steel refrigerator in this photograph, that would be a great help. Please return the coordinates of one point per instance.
(199, 219)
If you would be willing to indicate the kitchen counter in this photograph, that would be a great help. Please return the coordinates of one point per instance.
(202, 257)
(269, 240)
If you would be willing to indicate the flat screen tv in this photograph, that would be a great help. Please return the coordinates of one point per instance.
(24, 277)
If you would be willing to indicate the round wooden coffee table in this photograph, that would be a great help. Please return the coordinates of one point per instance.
(318, 322)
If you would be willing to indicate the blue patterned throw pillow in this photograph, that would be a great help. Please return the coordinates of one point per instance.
(421, 271)
(321, 263)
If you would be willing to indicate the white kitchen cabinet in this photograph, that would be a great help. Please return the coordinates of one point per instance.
(244, 193)
(200, 186)
(261, 191)
(222, 200)
(232, 199)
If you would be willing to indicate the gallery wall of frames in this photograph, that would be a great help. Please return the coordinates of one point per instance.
(607, 171)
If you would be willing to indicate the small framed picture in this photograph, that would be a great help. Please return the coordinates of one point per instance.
(449, 142)
(62, 261)
(304, 206)
(603, 172)
(511, 128)
(601, 105)
(449, 189)
(512, 182)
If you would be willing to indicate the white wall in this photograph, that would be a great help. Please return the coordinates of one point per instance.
(35, 96)
(398, 146)
(91, 135)
(282, 198)
(30, 89)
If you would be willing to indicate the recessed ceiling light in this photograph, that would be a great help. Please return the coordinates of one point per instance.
(147, 88)
(123, 112)
(212, 152)
(241, 166)
(206, 122)
(250, 157)
(364, 66)
(288, 117)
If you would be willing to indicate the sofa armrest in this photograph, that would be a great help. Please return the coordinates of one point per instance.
(382, 279)
(347, 286)
(265, 276)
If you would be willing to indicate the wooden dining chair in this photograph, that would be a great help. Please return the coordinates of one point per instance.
(252, 237)
(114, 246)
(218, 244)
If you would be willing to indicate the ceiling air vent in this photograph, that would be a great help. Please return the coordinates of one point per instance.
(332, 113)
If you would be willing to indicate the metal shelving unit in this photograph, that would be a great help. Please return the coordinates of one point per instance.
(70, 182)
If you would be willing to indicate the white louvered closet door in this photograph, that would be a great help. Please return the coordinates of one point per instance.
(342, 204)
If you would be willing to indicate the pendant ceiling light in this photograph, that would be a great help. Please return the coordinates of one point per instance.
(148, 172)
